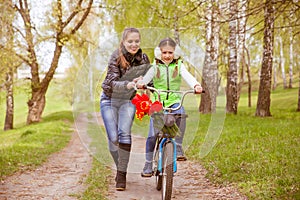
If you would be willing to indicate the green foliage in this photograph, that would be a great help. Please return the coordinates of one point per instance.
(151, 13)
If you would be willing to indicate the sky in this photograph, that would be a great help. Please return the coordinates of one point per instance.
(44, 50)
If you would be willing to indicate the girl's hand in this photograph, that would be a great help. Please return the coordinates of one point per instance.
(137, 79)
(198, 89)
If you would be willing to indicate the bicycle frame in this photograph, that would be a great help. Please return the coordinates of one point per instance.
(160, 149)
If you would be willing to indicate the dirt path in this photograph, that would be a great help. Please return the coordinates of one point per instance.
(60, 178)
(63, 176)
(189, 182)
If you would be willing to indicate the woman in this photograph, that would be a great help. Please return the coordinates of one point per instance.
(117, 111)
(167, 72)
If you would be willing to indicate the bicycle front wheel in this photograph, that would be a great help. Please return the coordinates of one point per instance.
(167, 171)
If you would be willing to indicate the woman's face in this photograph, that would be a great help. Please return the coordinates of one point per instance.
(167, 54)
(132, 42)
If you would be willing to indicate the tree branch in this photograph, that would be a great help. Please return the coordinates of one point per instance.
(86, 13)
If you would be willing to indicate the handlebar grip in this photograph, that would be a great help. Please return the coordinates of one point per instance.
(203, 91)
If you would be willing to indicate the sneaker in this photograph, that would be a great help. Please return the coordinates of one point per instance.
(180, 153)
(147, 171)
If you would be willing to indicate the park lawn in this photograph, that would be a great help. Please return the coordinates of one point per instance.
(26, 147)
(260, 156)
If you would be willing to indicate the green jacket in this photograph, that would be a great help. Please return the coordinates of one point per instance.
(168, 78)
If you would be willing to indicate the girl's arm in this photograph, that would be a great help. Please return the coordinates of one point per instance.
(188, 77)
(148, 77)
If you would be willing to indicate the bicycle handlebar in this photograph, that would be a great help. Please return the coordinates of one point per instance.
(158, 91)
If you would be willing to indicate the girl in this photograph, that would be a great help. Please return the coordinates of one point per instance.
(167, 72)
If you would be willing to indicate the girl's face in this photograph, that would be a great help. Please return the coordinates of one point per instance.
(132, 42)
(167, 54)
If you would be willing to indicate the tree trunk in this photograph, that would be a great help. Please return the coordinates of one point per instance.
(249, 78)
(264, 93)
(9, 117)
(241, 32)
(299, 95)
(232, 77)
(36, 107)
(282, 63)
(291, 60)
(274, 85)
(39, 88)
(210, 68)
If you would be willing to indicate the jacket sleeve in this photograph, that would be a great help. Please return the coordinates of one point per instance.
(114, 75)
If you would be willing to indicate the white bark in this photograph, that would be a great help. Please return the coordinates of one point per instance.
(291, 59)
(210, 69)
(282, 62)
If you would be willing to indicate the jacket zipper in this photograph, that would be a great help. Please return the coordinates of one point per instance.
(168, 82)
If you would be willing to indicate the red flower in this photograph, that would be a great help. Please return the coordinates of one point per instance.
(145, 106)
(142, 104)
(155, 107)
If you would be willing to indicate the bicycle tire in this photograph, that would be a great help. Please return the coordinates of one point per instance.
(158, 182)
(167, 171)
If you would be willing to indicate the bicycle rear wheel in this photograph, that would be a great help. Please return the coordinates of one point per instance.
(167, 171)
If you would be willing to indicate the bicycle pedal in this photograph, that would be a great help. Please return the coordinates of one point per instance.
(181, 158)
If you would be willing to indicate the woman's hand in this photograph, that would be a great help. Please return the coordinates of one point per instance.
(134, 82)
(130, 85)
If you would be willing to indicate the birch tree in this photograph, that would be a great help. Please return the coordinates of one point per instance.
(264, 93)
(8, 60)
(282, 62)
(210, 68)
(291, 55)
(232, 76)
(241, 37)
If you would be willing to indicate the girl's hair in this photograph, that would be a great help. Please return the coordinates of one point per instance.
(122, 60)
(167, 42)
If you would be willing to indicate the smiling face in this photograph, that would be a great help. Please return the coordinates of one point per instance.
(167, 54)
(132, 42)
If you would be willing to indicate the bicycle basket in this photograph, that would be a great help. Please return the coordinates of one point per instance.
(165, 123)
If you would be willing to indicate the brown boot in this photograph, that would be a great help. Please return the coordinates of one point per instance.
(121, 181)
(124, 154)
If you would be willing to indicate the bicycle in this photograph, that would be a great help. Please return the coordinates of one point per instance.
(165, 158)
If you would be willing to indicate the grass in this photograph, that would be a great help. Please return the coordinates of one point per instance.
(97, 182)
(27, 147)
(260, 156)
(98, 177)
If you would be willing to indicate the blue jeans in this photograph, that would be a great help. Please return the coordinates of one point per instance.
(117, 115)
(151, 139)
